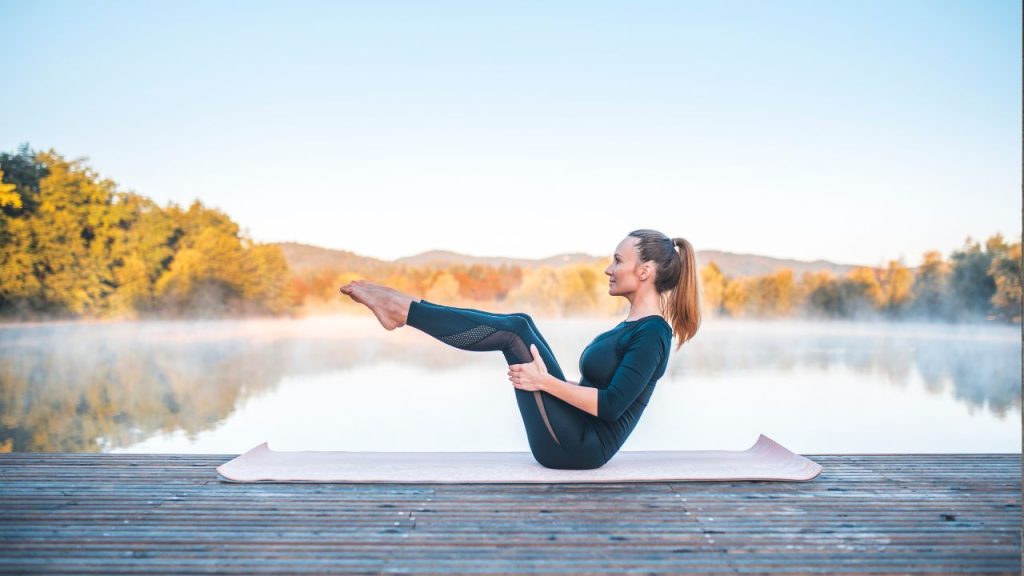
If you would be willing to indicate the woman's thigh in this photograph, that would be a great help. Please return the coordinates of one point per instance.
(571, 442)
(524, 316)
(560, 434)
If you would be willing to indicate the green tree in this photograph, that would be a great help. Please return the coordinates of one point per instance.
(971, 288)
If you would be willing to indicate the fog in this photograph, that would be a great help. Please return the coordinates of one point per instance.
(344, 383)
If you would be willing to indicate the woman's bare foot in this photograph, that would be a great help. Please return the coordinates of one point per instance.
(390, 306)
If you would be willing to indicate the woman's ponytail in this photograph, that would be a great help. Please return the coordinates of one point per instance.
(684, 299)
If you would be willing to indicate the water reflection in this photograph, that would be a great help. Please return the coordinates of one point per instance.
(98, 387)
(978, 365)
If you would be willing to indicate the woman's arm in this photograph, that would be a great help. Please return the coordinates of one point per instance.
(582, 397)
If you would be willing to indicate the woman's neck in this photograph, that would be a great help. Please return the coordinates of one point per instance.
(644, 306)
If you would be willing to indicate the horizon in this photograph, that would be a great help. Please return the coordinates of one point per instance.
(945, 256)
(536, 130)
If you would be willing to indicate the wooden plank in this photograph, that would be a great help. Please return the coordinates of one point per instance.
(129, 513)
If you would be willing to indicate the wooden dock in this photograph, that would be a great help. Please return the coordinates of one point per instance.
(117, 514)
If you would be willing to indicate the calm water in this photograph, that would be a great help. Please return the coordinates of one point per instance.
(344, 383)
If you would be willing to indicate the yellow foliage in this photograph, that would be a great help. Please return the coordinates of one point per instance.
(713, 286)
(736, 296)
(576, 288)
(540, 291)
(811, 281)
(176, 283)
(776, 293)
(80, 246)
(897, 283)
(866, 283)
(135, 290)
(444, 290)
(9, 194)
(266, 277)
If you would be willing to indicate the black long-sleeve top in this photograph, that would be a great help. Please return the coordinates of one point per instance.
(624, 364)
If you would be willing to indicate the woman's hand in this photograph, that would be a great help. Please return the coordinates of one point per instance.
(529, 376)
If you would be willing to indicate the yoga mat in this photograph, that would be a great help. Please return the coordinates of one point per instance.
(765, 460)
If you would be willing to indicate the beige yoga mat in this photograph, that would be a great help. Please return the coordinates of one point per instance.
(765, 460)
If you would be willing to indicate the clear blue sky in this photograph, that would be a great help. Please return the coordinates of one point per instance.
(852, 131)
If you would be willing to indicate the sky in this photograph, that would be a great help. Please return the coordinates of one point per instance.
(856, 132)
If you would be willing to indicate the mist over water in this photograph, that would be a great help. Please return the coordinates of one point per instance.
(344, 383)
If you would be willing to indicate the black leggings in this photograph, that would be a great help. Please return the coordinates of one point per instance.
(560, 434)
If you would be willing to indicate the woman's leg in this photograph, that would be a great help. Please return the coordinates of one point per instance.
(499, 315)
(558, 433)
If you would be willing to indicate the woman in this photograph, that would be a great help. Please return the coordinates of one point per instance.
(573, 425)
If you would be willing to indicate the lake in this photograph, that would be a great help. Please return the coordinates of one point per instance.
(344, 383)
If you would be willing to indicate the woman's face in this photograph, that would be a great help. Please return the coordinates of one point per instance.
(624, 276)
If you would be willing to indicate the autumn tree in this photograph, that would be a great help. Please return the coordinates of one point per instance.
(896, 283)
(72, 244)
(1006, 273)
(778, 293)
(820, 291)
(21, 287)
(736, 297)
(861, 293)
(444, 289)
(929, 287)
(713, 282)
(539, 291)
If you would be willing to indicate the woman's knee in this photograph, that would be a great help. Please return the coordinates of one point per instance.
(529, 320)
(521, 324)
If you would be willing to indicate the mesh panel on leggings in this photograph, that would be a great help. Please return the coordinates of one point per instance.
(520, 349)
(469, 337)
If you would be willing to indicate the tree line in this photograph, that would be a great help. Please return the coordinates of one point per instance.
(73, 245)
(977, 283)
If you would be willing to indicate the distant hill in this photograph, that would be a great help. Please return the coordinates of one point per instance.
(304, 257)
(740, 265)
(445, 258)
